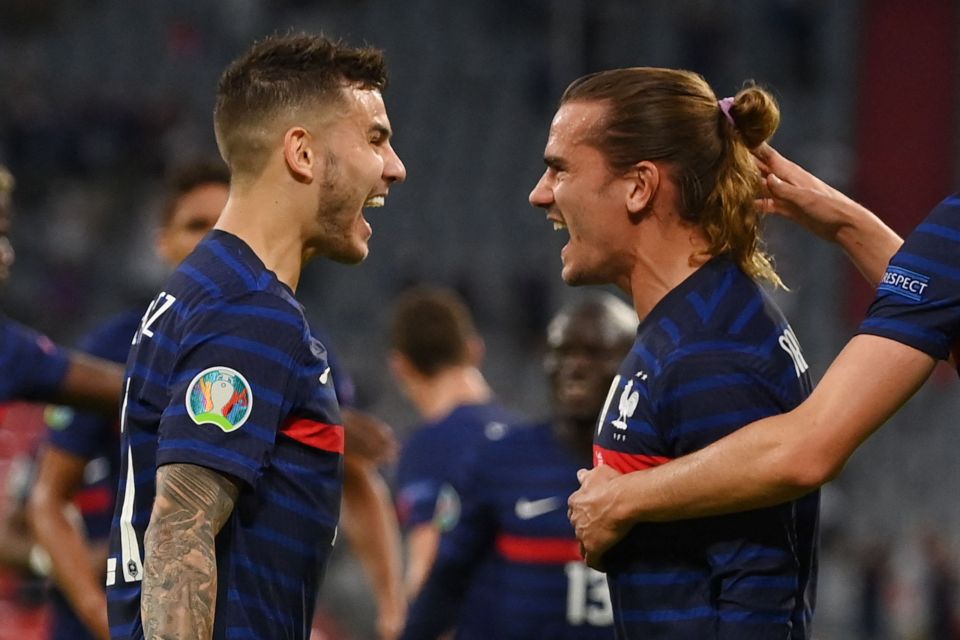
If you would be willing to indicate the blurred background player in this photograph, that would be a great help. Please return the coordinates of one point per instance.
(514, 544)
(653, 178)
(435, 356)
(86, 444)
(32, 367)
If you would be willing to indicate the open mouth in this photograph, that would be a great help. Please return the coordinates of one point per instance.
(558, 223)
(374, 202)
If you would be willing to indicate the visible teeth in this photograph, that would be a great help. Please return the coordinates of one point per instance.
(557, 226)
(374, 201)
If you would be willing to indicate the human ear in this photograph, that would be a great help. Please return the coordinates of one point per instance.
(298, 153)
(643, 181)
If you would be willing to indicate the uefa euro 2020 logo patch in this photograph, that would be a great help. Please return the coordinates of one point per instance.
(220, 396)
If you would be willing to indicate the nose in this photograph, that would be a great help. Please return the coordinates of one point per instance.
(393, 169)
(542, 194)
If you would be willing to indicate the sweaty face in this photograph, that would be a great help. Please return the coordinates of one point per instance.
(194, 214)
(584, 353)
(582, 196)
(359, 165)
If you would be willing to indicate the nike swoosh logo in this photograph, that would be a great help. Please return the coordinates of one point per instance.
(325, 376)
(527, 509)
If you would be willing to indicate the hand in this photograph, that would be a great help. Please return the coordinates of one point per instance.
(798, 195)
(592, 513)
(368, 437)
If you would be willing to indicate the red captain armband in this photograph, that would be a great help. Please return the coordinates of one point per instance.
(625, 462)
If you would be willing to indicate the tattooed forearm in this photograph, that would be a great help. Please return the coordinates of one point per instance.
(180, 564)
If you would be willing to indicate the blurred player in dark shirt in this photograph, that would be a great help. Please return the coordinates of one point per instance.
(436, 358)
(514, 546)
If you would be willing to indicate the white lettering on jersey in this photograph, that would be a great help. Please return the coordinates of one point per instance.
(606, 404)
(588, 597)
(325, 376)
(788, 341)
(156, 309)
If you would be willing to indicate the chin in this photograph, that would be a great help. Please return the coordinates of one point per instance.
(352, 255)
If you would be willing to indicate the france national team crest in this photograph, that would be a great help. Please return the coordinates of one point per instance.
(220, 396)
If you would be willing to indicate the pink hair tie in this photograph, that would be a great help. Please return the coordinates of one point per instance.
(725, 105)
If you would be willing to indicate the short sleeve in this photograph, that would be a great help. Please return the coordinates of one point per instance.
(418, 483)
(918, 299)
(233, 385)
(33, 366)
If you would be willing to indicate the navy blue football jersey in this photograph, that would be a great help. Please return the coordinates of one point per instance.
(434, 457)
(515, 549)
(918, 299)
(32, 367)
(715, 354)
(225, 373)
(95, 438)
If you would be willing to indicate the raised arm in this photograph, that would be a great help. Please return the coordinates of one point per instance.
(60, 475)
(180, 564)
(767, 462)
(371, 529)
(798, 195)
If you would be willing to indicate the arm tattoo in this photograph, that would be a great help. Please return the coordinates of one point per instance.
(180, 563)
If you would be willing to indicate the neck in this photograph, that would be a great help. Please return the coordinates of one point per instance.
(266, 220)
(437, 396)
(666, 253)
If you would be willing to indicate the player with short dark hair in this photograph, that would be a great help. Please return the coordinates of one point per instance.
(436, 355)
(654, 180)
(231, 432)
(513, 545)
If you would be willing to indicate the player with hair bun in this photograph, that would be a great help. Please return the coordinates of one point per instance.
(653, 178)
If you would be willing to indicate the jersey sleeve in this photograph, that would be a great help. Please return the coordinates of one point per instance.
(918, 299)
(706, 396)
(461, 550)
(34, 367)
(418, 483)
(233, 385)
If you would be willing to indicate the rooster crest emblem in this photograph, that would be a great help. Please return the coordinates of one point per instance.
(629, 399)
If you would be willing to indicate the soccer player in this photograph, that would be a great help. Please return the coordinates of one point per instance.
(32, 367)
(654, 180)
(914, 322)
(513, 544)
(231, 432)
(436, 357)
(197, 193)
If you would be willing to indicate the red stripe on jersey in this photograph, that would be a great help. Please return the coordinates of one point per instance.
(538, 550)
(318, 435)
(625, 462)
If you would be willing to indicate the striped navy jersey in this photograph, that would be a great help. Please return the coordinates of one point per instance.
(515, 548)
(224, 373)
(714, 355)
(94, 438)
(918, 299)
(32, 367)
(433, 458)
